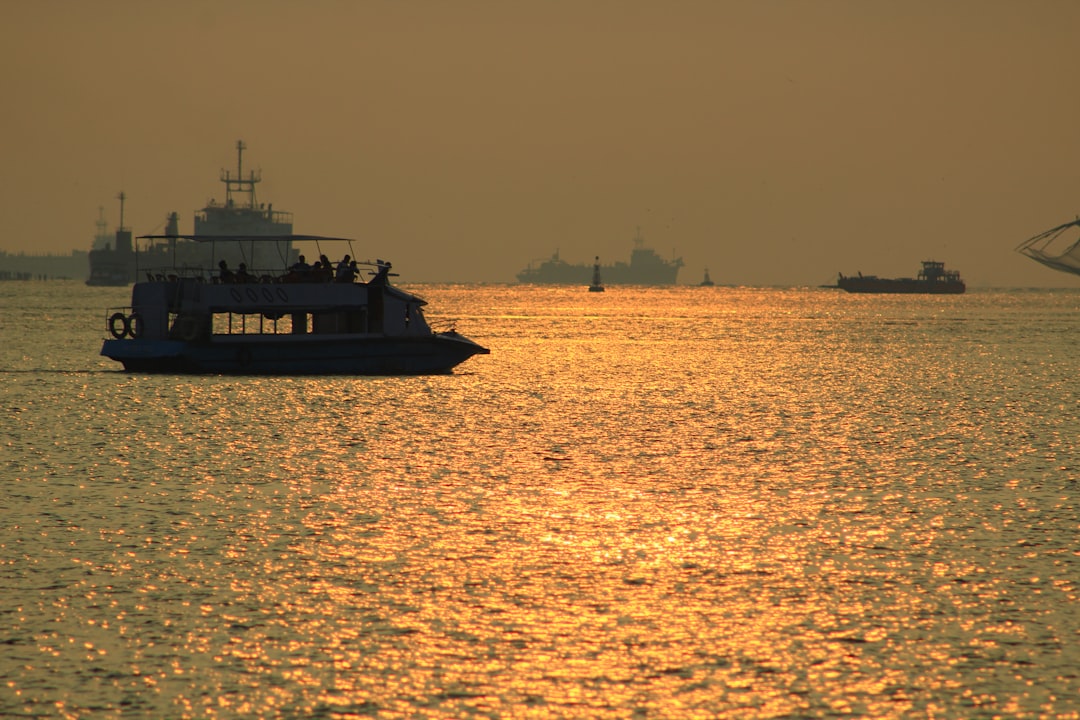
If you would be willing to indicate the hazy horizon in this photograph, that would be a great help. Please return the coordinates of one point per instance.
(775, 143)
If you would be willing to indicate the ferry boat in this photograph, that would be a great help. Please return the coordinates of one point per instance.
(933, 278)
(646, 267)
(296, 321)
(240, 215)
(707, 282)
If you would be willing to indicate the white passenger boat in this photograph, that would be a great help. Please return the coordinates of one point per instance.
(300, 320)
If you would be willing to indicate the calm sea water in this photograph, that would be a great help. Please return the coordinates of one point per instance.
(646, 503)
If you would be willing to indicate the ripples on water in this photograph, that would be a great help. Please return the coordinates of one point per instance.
(660, 503)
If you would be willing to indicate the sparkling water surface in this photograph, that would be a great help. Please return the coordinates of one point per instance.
(646, 503)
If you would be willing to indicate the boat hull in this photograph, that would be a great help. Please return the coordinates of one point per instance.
(899, 286)
(355, 355)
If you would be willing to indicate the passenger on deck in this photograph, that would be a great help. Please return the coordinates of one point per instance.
(225, 275)
(348, 273)
(242, 275)
(342, 274)
(299, 271)
(300, 266)
(327, 272)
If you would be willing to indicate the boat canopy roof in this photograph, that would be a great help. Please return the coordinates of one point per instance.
(248, 238)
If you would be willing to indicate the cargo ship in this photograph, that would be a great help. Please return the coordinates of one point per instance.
(646, 267)
(933, 278)
(239, 216)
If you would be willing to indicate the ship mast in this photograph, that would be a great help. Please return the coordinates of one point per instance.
(239, 184)
(121, 197)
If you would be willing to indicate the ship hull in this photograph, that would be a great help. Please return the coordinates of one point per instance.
(901, 286)
(358, 355)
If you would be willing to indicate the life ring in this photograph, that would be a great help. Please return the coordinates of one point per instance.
(135, 325)
(267, 295)
(236, 295)
(283, 295)
(188, 328)
(118, 325)
(252, 295)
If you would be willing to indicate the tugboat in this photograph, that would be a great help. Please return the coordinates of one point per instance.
(933, 278)
(596, 285)
(297, 321)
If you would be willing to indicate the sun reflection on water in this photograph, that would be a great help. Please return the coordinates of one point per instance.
(656, 503)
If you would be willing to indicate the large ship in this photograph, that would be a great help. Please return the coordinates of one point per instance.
(646, 267)
(933, 278)
(239, 216)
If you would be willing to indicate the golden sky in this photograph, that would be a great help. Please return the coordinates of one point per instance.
(775, 142)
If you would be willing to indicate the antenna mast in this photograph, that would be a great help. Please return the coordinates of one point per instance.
(239, 184)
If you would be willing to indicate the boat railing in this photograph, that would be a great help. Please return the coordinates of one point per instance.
(251, 277)
(281, 217)
(442, 325)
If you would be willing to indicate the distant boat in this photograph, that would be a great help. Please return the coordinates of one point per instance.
(707, 282)
(646, 267)
(1056, 248)
(933, 278)
(597, 285)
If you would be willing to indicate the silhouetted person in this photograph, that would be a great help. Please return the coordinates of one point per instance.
(342, 272)
(225, 275)
(242, 275)
(342, 267)
(348, 273)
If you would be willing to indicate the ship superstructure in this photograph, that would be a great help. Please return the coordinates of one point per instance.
(239, 216)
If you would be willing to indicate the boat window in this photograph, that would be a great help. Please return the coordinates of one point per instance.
(226, 323)
(302, 323)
